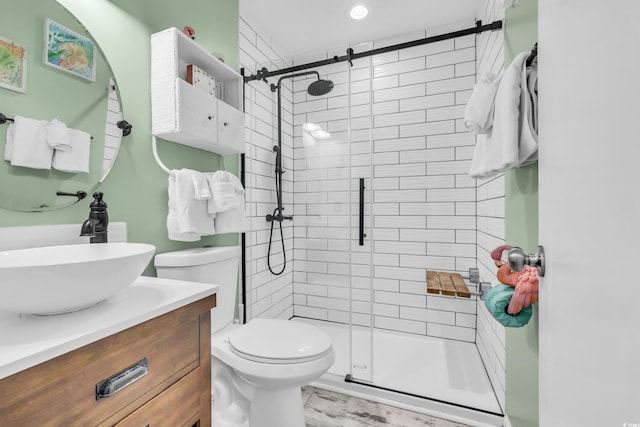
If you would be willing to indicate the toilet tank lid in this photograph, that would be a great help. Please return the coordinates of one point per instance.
(196, 256)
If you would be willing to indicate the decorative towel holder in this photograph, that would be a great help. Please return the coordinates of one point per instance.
(154, 148)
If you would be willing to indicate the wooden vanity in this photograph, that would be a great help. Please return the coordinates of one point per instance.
(165, 363)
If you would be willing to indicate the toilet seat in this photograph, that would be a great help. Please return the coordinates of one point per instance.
(279, 341)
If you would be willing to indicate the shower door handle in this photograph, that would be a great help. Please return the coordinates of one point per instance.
(361, 214)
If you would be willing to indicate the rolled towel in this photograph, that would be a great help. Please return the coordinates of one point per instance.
(58, 136)
(77, 159)
(497, 300)
(30, 148)
(478, 114)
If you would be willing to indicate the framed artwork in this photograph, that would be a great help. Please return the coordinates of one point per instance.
(69, 51)
(13, 65)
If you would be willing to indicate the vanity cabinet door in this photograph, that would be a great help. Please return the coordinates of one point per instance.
(179, 405)
(62, 391)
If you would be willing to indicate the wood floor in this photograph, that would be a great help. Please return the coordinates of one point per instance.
(324, 408)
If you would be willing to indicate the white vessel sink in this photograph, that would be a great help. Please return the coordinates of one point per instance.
(61, 279)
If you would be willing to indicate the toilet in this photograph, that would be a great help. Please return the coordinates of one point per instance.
(257, 369)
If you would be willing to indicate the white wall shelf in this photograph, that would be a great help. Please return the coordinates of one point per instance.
(184, 114)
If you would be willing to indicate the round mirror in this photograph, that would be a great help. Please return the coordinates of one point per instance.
(61, 106)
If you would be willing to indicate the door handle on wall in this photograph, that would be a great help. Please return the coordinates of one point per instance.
(361, 234)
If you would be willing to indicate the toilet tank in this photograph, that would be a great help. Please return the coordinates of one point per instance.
(214, 265)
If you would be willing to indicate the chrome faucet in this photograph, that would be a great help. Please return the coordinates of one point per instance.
(96, 225)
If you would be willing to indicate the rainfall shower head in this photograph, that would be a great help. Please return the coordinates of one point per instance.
(317, 88)
(320, 87)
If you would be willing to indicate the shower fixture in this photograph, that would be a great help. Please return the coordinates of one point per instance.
(317, 88)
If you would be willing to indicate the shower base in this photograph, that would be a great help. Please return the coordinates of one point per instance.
(439, 377)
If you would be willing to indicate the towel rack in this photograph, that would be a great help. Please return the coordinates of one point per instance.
(4, 119)
(154, 148)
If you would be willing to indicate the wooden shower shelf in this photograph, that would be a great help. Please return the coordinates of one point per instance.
(448, 284)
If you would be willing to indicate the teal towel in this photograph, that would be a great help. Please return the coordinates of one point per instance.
(497, 301)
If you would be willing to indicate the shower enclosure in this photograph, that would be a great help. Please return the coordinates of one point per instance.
(379, 193)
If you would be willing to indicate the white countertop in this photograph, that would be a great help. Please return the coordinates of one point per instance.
(27, 340)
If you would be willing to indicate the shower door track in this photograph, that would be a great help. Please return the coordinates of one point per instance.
(349, 379)
(479, 28)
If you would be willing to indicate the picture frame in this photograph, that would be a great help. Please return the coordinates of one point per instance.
(66, 50)
(13, 65)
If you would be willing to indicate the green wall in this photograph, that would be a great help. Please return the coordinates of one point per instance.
(521, 212)
(136, 189)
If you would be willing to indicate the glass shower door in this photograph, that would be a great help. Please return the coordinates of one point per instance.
(332, 278)
(360, 136)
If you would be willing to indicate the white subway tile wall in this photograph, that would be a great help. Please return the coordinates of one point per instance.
(490, 335)
(267, 295)
(414, 158)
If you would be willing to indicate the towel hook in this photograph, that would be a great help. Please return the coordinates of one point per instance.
(125, 126)
(532, 55)
(4, 119)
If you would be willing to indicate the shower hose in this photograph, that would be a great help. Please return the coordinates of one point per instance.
(277, 213)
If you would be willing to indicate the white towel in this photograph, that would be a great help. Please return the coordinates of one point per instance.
(173, 227)
(511, 142)
(233, 220)
(75, 160)
(29, 148)
(200, 185)
(58, 136)
(223, 192)
(8, 144)
(528, 144)
(188, 218)
(478, 114)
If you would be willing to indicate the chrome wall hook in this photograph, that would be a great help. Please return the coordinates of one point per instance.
(518, 259)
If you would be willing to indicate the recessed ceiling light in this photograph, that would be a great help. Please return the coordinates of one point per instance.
(358, 12)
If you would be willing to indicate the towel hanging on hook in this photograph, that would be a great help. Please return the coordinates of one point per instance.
(533, 55)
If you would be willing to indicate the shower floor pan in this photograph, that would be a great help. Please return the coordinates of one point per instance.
(418, 370)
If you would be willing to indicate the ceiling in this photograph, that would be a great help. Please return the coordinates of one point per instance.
(298, 27)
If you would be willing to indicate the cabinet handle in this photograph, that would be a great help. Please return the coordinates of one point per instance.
(114, 384)
(226, 123)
